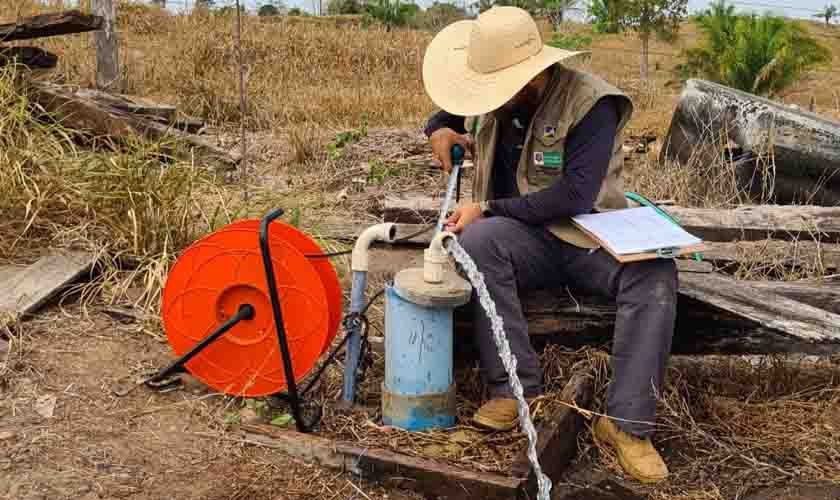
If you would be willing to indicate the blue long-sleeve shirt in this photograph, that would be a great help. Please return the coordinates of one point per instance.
(588, 150)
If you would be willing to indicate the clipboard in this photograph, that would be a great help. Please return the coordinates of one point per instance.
(657, 251)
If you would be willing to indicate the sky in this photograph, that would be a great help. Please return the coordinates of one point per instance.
(789, 8)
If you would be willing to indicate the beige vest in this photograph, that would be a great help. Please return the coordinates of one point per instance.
(569, 97)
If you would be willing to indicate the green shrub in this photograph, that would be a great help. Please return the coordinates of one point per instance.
(570, 41)
(757, 54)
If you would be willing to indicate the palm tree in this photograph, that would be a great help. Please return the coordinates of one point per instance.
(828, 13)
(762, 55)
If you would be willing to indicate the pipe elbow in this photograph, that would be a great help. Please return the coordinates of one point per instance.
(437, 244)
(435, 258)
(385, 232)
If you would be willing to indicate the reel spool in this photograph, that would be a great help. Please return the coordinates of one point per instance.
(224, 271)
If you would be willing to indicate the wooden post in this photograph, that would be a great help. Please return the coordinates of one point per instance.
(107, 48)
(242, 105)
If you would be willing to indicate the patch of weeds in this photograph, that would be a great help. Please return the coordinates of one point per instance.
(570, 41)
(380, 172)
(344, 138)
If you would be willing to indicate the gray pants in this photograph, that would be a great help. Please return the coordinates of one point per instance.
(515, 257)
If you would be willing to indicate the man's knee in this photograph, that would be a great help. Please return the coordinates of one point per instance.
(482, 238)
(652, 280)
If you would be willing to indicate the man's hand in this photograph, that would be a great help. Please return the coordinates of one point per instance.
(442, 141)
(462, 216)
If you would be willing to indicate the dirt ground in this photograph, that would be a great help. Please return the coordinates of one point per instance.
(146, 445)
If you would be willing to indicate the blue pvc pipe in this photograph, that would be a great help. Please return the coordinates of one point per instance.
(354, 343)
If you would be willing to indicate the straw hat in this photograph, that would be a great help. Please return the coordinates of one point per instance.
(474, 67)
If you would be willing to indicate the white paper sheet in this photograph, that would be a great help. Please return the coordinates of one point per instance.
(636, 230)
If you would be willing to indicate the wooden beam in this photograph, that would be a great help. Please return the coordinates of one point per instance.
(558, 434)
(771, 310)
(31, 57)
(101, 119)
(751, 222)
(795, 254)
(54, 24)
(758, 222)
(434, 479)
(29, 288)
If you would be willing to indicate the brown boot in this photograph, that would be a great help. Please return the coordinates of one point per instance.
(637, 456)
(499, 414)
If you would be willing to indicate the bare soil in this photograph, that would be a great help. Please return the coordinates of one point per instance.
(145, 445)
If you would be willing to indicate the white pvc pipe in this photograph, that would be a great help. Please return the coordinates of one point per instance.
(380, 232)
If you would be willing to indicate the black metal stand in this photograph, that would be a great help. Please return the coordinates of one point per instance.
(296, 402)
(245, 312)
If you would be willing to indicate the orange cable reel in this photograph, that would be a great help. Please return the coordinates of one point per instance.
(224, 270)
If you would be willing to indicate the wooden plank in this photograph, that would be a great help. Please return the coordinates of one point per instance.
(769, 309)
(823, 295)
(558, 434)
(806, 254)
(788, 254)
(100, 119)
(434, 479)
(750, 222)
(108, 74)
(760, 222)
(32, 57)
(54, 24)
(34, 285)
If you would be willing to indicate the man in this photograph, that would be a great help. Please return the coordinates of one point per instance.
(546, 141)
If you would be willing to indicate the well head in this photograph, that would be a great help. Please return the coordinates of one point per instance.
(452, 291)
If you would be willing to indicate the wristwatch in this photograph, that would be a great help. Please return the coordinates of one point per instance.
(485, 208)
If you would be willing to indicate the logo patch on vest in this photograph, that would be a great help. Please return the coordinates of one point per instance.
(549, 132)
(552, 159)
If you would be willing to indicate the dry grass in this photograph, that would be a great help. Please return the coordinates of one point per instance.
(727, 427)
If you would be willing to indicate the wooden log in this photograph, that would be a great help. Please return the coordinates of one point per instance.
(54, 24)
(101, 119)
(32, 57)
(716, 314)
(793, 254)
(770, 310)
(433, 479)
(710, 116)
(758, 222)
(750, 222)
(558, 434)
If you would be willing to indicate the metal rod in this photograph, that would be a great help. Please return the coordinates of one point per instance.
(245, 312)
(292, 391)
(450, 188)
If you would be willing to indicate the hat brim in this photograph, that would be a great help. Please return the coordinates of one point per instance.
(458, 89)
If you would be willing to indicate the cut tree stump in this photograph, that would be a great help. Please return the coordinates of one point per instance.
(94, 112)
(27, 289)
(54, 24)
(805, 147)
(31, 57)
